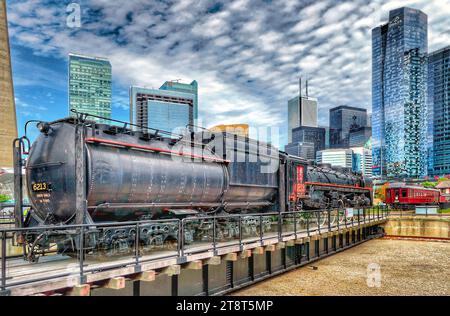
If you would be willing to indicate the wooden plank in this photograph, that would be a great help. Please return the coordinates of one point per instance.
(193, 265)
(230, 256)
(270, 248)
(258, 251)
(116, 283)
(171, 270)
(280, 245)
(245, 254)
(146, 276)
(214, 261)
(290, 243)
(109, 274)
(79, 290)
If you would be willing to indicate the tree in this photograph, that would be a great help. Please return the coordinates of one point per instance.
(4, 198)
(429, 184)
(380, 192)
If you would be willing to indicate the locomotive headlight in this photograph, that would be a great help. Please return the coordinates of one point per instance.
(44, 127)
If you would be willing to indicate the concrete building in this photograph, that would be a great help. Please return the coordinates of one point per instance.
(191, 88)
(301, 112)
(359, 136)
(358, 159)
(336, 157)
(163, 110)
(306, 134)
(8, 122)
(362, 160)
(399, 89)
(301, 149)
(439, 112)
(342, 119)
(90, 86)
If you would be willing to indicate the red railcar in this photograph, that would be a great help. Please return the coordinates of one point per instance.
(410, 195)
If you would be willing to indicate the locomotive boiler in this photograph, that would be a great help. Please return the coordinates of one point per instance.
(133, 175)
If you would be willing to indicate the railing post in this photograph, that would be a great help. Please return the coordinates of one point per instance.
(318, 221)
(240, 230)
(260, 230)
(280, 227)
(338, 219)
(136, 244)
(214, 233)
(329, 220)
(181, 237)
(3, 261)
(81, 245)
(295, 225)
(307, 224)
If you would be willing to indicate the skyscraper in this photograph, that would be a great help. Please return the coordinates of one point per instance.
(399, 109)
(301, 112)
(163, 110)
(439, 112)
(8, 123)
(90, 86)
(191, 88)
(342, 119)
(310, 135)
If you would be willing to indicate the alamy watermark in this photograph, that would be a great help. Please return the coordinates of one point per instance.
(373, 275)
(73, 19)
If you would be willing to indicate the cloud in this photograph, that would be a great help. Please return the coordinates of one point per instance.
(246, 54)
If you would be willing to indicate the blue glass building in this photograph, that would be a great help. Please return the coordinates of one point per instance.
(399, 90)
(191, 88)
(342, 120)
(163, 110)
(439, 112)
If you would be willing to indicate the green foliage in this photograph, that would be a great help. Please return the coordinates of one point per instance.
(429, 184)
(4, 198)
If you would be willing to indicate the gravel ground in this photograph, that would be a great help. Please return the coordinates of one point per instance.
(407, 268)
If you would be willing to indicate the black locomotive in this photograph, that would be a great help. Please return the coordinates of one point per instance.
(82, 172)
(133, 175)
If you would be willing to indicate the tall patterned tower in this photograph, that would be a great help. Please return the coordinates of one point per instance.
(8, 124)
(399, 89)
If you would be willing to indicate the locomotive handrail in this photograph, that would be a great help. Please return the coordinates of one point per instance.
(126, 123)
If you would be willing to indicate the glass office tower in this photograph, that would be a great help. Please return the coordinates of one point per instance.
(439, 112)
(301, 112)
(90, 86)
(342, 119)
(399, 109)
(163, 110)
(191, 88)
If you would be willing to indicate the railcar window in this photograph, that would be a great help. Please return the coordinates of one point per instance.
(404, 193)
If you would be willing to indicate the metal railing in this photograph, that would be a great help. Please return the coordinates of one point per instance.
(104, 246)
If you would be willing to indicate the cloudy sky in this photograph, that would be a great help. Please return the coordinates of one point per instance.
(245, 54)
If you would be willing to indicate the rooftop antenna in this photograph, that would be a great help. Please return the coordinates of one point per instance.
(307, 88)
(300, 87)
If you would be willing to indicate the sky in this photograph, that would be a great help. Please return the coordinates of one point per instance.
(246, 55)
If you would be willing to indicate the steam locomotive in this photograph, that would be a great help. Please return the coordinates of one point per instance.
(80, 171)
